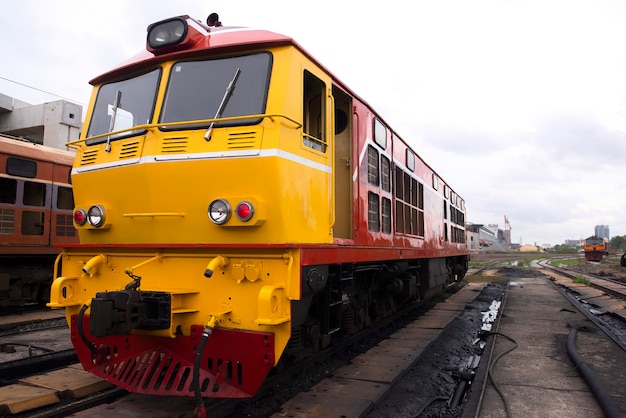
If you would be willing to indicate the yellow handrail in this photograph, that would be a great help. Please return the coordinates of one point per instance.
(149, 126)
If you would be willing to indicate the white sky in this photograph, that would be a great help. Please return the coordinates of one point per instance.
(519, 105)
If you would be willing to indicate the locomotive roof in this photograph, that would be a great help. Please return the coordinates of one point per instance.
(219, 39)
(26, 149)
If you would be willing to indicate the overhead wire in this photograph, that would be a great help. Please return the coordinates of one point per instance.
(41, 90)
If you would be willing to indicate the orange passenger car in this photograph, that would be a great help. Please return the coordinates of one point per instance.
(36, 205)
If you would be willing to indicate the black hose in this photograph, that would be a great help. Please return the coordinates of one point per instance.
(195, 382)
(81, 332)
(459, 393)
(465, 379)
(430, 402)
(602, 396)
(507, 408)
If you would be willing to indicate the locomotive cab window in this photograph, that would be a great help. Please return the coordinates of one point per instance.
(217, 89)
(314, 113)
(124, 104)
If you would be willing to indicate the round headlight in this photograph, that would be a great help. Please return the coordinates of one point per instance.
(95, 216)
(219, 211)
(80, 217)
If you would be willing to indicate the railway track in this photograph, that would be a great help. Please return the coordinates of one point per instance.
(609, 285)
(37, 363)
(601, 299)
(33, 341)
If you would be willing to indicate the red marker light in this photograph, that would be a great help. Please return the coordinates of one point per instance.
(244, 211)
(80, 217)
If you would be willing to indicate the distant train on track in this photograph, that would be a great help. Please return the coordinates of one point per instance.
(596, 248)
(36, 207)
(237, 206)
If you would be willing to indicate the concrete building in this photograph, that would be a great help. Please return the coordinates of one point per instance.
(472, 238)
(573, 243)
(489, 237)
(602, 231)
(51, 124)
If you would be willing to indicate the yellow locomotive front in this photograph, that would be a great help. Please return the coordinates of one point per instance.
(204, 164)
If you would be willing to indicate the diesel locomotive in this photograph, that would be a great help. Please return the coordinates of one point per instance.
(596, 248)
(36, 205)
(238, 206)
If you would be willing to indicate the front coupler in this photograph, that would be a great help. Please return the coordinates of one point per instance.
(119, 312)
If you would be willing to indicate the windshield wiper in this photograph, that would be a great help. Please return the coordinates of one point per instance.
(116, 104)
(220, 109)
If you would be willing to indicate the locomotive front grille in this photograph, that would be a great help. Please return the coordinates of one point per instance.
(129, 150)
(89, 156)
(174, 145)
(233, 365)
(154, 371)
(245, 139)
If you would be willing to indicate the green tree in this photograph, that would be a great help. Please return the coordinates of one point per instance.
(618, 242)
(560, 248)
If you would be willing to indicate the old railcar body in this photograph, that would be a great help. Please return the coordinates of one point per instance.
(238, 205)
(36, 206)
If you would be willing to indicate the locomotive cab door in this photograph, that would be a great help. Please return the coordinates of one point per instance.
(343, 164)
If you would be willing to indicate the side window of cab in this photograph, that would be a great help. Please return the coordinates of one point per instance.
(314, 112)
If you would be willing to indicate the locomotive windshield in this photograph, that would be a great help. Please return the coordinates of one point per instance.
(196, 89)
(124, 104)
(595, 241)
